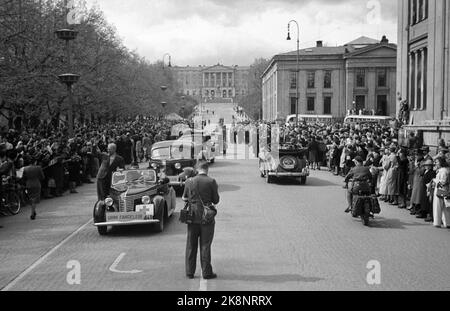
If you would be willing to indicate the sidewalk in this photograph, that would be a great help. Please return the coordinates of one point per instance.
(23, 241)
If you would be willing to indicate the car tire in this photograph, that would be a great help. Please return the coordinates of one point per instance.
(161, 223)
(270, 179)
(102, 230)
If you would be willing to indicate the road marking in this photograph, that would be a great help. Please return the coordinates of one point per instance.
(116, 263)
(203, 285)
(42, 259)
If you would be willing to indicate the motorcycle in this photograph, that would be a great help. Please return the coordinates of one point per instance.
(364, 204)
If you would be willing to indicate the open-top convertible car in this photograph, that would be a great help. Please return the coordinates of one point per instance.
(208, 147)
(169, 158)
(137, 197)
(287, 162)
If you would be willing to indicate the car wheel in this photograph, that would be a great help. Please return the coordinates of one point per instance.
(270, 179)
(102, 230)
(161, 218)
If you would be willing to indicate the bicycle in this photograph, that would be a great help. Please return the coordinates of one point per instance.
(9, 198)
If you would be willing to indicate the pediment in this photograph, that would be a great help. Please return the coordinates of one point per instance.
(376, 51)
(218, 68)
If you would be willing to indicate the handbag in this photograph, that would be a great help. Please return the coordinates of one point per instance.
(442, 193)
(186, 216)
(209, 211)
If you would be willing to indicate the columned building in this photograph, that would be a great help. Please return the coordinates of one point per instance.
(215, 83)
(424, 65)
(360, 75)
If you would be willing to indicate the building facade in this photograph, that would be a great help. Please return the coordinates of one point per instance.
(213, 83)
(360, 75)
(423, 78)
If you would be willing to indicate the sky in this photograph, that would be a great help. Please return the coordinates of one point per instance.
(236, 32)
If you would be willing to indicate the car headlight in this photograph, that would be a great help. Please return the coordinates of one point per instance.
(146, 199)
(155, 166)
(109, 202)
(178, 166)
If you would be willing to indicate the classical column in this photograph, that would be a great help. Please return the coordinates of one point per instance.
(417, 11)
(412, 81)
(422, 78)
(416, 78)
(411, 12)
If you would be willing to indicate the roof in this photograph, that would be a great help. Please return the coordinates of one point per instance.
(363, 41)
(326, 50)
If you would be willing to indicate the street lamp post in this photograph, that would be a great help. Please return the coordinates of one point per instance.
(298, 64)
(69, 79)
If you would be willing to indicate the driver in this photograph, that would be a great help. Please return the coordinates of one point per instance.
(361, 175)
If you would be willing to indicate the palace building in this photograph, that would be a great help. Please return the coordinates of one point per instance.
(360, 75)
(215, 83)
(423, 77)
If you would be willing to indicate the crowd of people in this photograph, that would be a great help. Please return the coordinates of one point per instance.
(405, 174)
(68, 162)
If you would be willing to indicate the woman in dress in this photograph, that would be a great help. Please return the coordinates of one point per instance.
(391, 177)
(33, 175)
(441, 213)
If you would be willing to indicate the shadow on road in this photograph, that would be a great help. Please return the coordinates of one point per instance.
(228, 188)
(278, 278)
(384, 223)
(310, 182)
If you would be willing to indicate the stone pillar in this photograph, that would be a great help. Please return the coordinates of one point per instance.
(422, 80)
(412, 81)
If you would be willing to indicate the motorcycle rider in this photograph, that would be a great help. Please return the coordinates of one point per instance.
(361, 176)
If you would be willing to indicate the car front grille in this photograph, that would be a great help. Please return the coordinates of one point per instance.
(128, 203)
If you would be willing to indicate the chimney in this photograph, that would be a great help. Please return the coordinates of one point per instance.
(384, 40)
(319, 44)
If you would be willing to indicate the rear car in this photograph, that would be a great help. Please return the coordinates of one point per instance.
(169, 158)
(284, 164)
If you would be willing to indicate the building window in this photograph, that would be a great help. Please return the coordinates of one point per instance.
(311, 104)
(311, 79)
(361, 78)
(382, 77)
(187, 92)
(360, 103)
(418, 11)
(327, 105)
(293, 79)
(293, 106)
(224, 94)
(230, 93)
(327, 80)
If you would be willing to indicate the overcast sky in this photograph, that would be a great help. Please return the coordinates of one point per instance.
(235, 32)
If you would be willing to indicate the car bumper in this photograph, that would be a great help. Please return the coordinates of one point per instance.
(288, 174)
(127, 223)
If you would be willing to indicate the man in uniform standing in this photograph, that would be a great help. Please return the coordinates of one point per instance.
(199, 191)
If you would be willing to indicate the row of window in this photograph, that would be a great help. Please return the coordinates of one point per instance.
(418, 11)
(418, 79)
(359, 104)
(311, 105)
(225, 93)
(327, 81)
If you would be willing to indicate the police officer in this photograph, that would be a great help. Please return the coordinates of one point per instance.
(200, 190)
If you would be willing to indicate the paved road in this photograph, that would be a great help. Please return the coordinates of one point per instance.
(268, 237)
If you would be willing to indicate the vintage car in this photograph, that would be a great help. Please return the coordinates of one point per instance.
(208, 145)
(288, 162)
(169, 158)
(136, 197)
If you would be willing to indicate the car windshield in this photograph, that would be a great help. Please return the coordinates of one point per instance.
(132, 176)
(175, 151)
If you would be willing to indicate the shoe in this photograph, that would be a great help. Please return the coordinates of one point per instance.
(394, 203)
(33, 216)
(348, 210)
(429, 219)
(190, 276)
(210, 277)
(421, 216)
(402, 207)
